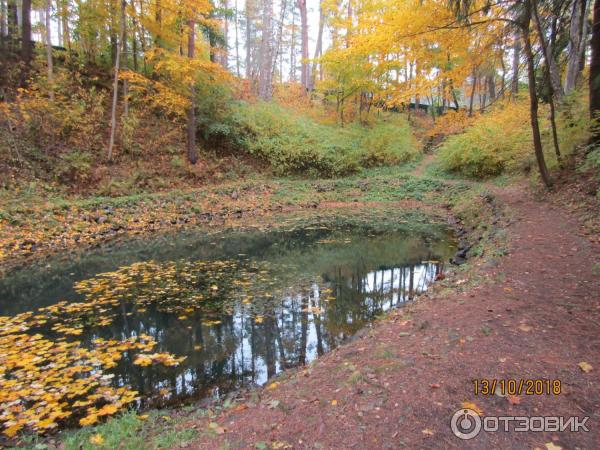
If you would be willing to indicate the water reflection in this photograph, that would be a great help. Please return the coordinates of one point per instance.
(244, 349)
(319, 287)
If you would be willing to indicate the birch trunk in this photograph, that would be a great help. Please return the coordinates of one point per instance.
(49, 61)
(113, 112)
(304, 74)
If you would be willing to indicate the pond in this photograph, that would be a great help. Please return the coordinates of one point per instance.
(180, 317)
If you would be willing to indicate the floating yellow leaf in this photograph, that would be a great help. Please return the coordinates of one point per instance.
(107, 410)
(89, 420)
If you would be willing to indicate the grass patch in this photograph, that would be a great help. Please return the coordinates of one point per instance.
(129, 431)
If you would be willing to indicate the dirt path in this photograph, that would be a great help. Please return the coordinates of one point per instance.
(534, 314)
(428, 158)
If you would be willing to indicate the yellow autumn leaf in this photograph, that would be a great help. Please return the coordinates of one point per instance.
(88, 420)
(96, 439)
(473, 406)
(107, 410)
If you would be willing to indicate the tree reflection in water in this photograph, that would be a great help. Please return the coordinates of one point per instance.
(241, 350)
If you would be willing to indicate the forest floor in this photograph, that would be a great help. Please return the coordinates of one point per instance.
(529, 315)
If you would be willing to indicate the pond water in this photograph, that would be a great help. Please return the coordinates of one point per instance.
(223, 310)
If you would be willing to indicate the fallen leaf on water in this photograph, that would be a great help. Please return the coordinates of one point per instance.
(107, 410)
(473, 406)
(586, 367)
(88, 420)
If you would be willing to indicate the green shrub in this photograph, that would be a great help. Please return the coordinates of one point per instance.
(497, 142)
(74, 166)
(388, 144)
(501, 141)
(592, 162)
(292, 144)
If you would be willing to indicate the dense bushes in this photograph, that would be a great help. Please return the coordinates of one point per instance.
(293, 144)
(501, 142)
(387, 143)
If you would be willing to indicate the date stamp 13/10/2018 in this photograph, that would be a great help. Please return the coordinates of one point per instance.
(515, 386)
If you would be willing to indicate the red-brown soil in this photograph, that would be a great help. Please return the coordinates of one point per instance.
(533, 314)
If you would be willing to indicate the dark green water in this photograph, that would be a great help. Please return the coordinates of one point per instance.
(268, 300)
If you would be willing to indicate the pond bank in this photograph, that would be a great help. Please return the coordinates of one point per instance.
(511, 317)
(29, 234)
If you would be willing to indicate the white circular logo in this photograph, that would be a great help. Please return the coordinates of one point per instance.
(465, 423)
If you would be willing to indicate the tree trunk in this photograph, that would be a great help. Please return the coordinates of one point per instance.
(191, 115)
(237, 41)
(279, 41)
(158, 20)
(264, 85)
(515, 66)
(124, 62)
(595, 70)
(248, 39)
(113, 112)
(349, 29)
(3, 27)
(472, 92)
(134, 45)
(551, 70)
(533, 99)
(293, 48)
(225, 52)
(482, 93)
(577, 38)
(304, 78)
(64, 17)
(26, 43)
(318, 47)
(491, 84)
(49, 48)
(548, 75)
(12, 22)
